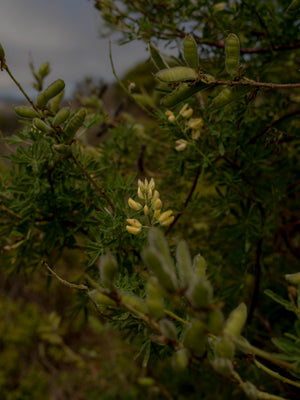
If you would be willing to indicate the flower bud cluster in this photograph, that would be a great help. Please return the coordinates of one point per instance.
(192, 125)
(150, 205)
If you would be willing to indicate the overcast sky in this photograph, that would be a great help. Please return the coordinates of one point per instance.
(63, 32)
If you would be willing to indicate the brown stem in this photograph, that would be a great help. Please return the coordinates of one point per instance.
(258, 84)
(186, 201)
(273, 123)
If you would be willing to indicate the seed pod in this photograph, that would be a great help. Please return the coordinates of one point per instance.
(228, 95)
(195, 338)
(41, 125)
(154, 299)
(223, 366)
(184, 264)
(101, 299)
(41, 100)
(232, 52)
(157, 58)
(108, 269)
(74, 124)
(2, 53)
(215, 321)
(294, 279)
(182, 92)
(190, 51)
(156, 263)
(168, 329)
(180, 359)
(44, 70)
(26, 112)
(159, 244)
(54, 104)
(134, 301)
(61, 116)
(146, 381)
(177, 74)
(199, 266)
(199, 293)
(294, 6)
(224, 348)
(236, 321)
(63, 149)
(54, 89)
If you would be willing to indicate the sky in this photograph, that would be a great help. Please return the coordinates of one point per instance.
(65, 33)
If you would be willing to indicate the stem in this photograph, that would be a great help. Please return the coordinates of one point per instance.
(94, 183)
(186, 201)
(257, 84)
(20, 87)
(275, 374)
(63, 281)
(264, 354)
(171, 314)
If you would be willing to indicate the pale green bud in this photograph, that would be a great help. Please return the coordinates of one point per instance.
(108, 270)
(236, 321)
(168, 329)
(184, 264)
(195, 338)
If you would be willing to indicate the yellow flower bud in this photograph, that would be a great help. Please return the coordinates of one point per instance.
(164, 216)
(133, 230)
(195, 134)
(167, 221)
(188, 113)
(155, 195)
(156, 214)
(180, 144)
(172, 119)
(146, 210)
(134, 204)
(195, 123)
(184, 108)
(134, 222)
(151, 184)
(140, 193)
(169, 113)
(219, 6)
(157, 204)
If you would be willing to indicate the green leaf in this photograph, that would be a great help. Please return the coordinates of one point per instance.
(280, 300)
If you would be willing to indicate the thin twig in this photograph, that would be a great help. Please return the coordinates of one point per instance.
(186, 201)
(275, 374)
(63, 281)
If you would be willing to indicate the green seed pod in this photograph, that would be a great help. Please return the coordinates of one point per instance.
(53, 106)
(154, 299)
(184, 264)
(215, 320)
(195, 338)
(182, 92)
(294, 6)
(190, 51)
(63, 149)
(232, 52)
(44, 70)
(61, 116)
(157, 58)
(2, 53)
(146, 381)
(26, 112)
(157, 265)
(294, 279)
(223, 366)
(180, 359)
(228, 95)
(199, 293)
(199, 266)
(168, 329)
(224, 348)
(41, 125)
(108, 269)
(134, 301)
(101, 299)
(74, 124)
(54, 89)
(177, 74)
(236, 320)
(41, 100)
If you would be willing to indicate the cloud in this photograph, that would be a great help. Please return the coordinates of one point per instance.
(63, 32)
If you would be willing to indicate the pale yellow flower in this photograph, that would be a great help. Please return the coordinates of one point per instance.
(134, 204)
(180, 144)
